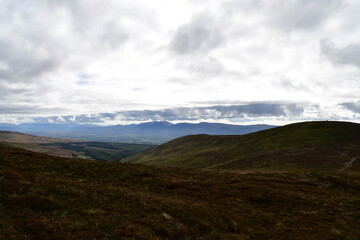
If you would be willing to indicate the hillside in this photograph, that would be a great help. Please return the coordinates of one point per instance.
(16, 137)
(308, 145)
(47, 197)
(35, 143)
(71, 148)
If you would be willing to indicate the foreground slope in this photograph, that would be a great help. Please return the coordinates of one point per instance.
(311, 145)
(46, 197)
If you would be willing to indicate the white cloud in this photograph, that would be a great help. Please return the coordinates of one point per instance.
(80, 57)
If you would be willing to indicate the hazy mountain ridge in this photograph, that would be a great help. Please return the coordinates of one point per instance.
(308, 145)
(150, 132)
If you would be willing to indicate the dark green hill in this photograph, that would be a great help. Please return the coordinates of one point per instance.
(48, 197)
(309, 145)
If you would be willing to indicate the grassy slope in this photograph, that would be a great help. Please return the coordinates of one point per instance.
(71, 148)
(315, 145)
(15, 137)
(51, 150)
(33, 143)
(45, 197)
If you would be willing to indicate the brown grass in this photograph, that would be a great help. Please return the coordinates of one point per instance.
(44, 197)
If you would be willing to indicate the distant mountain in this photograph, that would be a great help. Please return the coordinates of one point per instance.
(150, 132)
(309, 145)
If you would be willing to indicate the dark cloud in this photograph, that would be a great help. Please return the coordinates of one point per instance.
(26, 109)
(29, 44)
(261, 109)
(208, 67)
(234, 7)
(26, 60)
(345, 55)
(352, 106)
(301, 14)
(202, 34)
(100, 24)
(114, 35)
(291, 85)
(18, 94)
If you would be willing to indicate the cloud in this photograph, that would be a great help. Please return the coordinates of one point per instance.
(208, 68)
(202, 34)
(345, 55)
(352, 106)
(25, 109)
(234, 7)
(25, 61)
(114, 35)
(260, 109)
(47, 36)
(291, 85)
(204, 69)
(79, 58)
(301, 14)
(30, 46)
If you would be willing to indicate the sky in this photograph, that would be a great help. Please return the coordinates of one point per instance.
(231, 61)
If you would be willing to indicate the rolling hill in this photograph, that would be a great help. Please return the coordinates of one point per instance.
(71, 148)
(310, 145)
(48, 197)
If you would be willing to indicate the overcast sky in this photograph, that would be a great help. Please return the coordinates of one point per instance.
(238, 61)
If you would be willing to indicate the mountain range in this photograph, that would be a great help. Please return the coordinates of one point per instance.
(150, 132)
